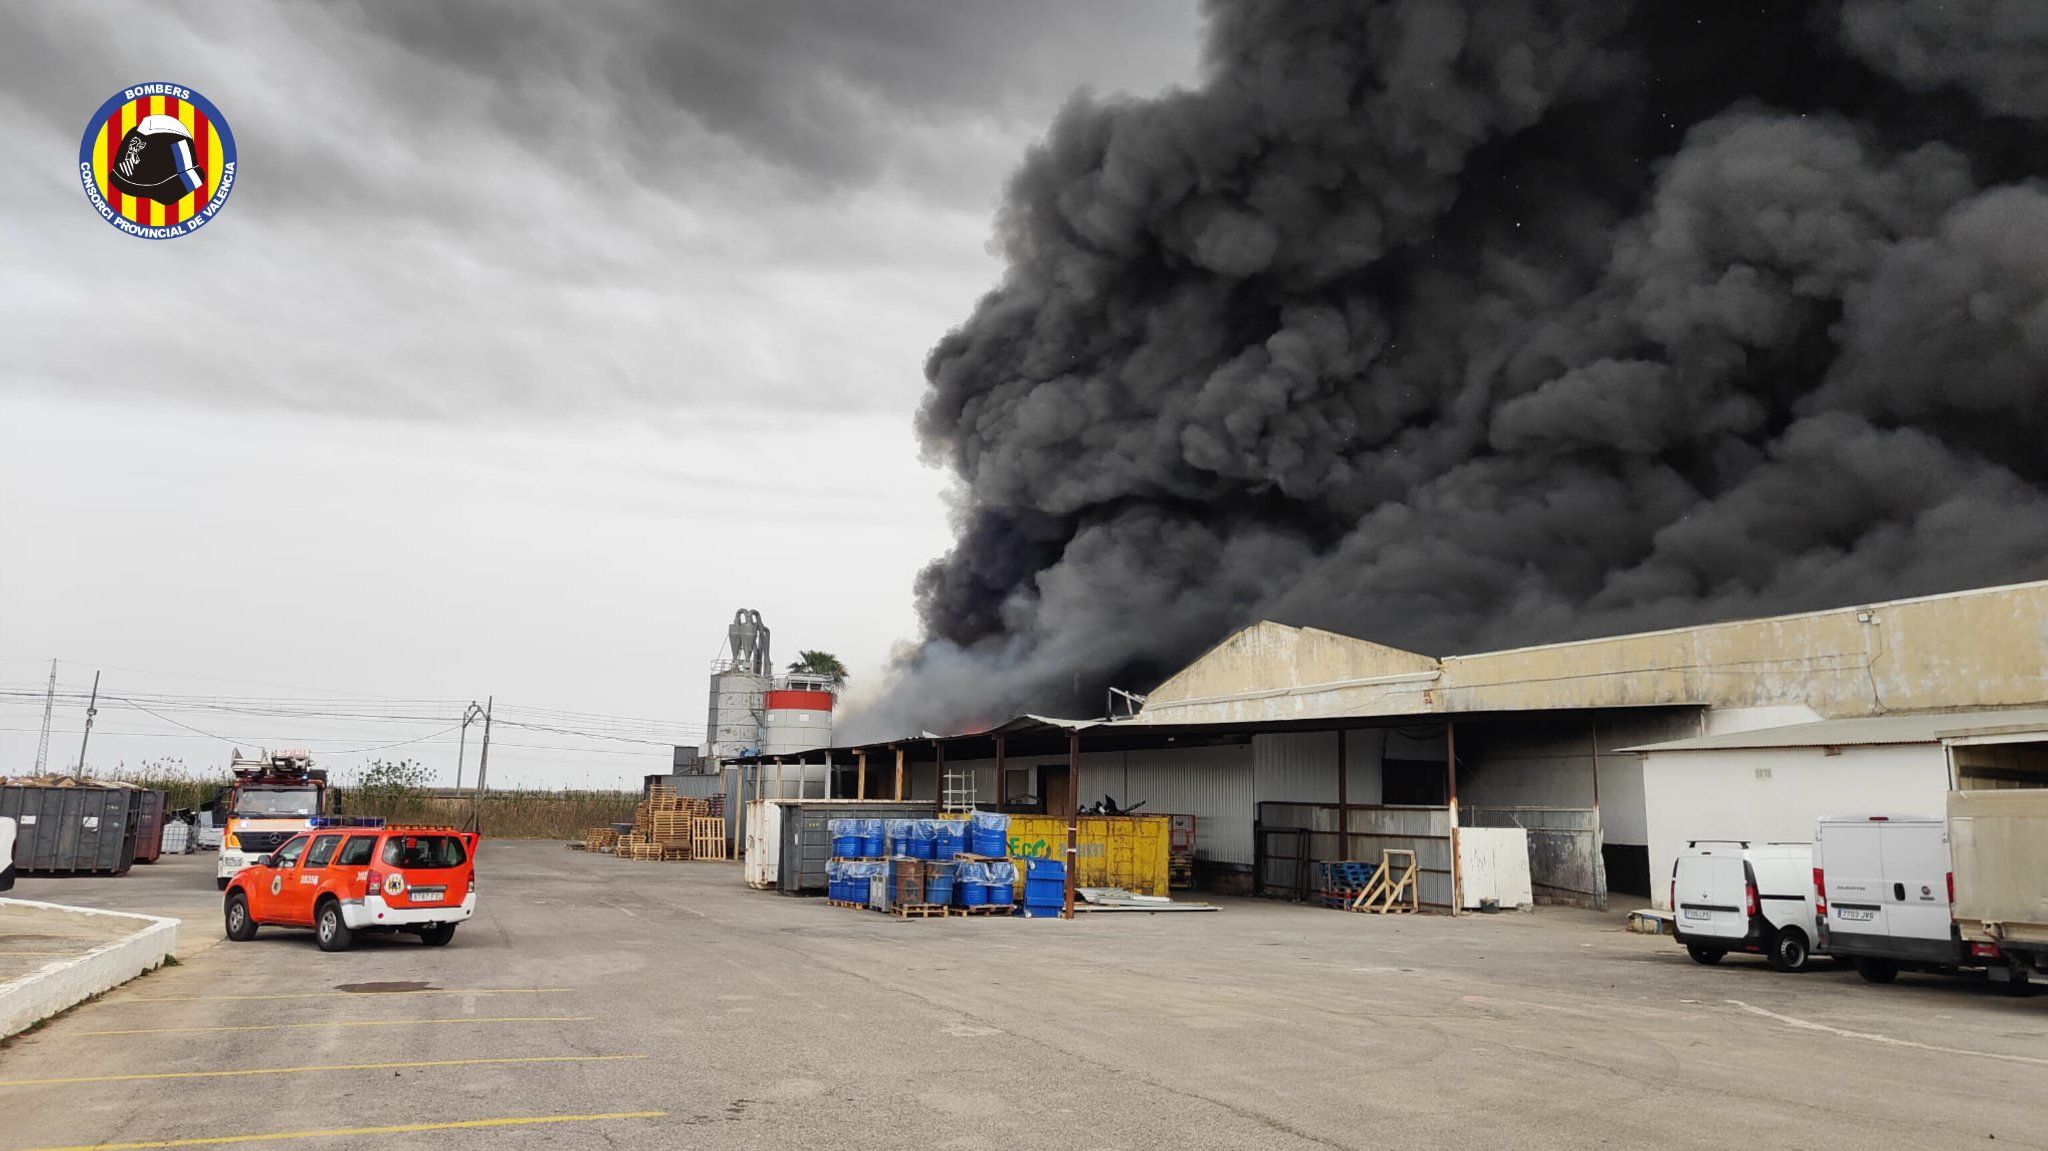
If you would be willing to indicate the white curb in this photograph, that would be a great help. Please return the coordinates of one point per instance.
(65, 982)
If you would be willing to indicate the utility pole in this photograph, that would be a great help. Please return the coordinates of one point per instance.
(483, 770)
(470, 715)
(49, 703)
(91, 709)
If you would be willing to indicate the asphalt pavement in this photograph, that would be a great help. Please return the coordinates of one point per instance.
(596, 1002)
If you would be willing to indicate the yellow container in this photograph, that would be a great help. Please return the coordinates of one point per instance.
(1127, 851)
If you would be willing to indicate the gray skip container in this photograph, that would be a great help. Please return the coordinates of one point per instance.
(88, 830)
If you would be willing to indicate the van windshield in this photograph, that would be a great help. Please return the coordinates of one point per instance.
(277, 802)
(426, 851)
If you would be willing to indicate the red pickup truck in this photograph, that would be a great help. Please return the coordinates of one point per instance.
(348, 876)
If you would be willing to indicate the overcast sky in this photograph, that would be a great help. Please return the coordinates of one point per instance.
(535, 339)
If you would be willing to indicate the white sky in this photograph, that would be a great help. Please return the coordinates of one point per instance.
(451, 403)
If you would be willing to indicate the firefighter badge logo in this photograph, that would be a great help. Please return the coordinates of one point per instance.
(276, 884)
(157, 161)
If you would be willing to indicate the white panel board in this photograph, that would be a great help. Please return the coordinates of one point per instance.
(1493, 863)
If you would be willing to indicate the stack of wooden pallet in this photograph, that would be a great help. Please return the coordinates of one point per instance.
(599, 838)
(634, 845)
(667, 826)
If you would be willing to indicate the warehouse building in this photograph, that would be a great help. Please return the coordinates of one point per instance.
(1292, 745)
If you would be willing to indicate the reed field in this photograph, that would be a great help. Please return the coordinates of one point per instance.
(394, 793)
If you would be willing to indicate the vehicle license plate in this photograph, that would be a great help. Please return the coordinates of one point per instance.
(1857, 914)
(1697, 913)
(428, 894)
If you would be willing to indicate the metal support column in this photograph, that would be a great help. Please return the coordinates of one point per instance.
(1343, 794)
(1451, 787)
(899, 774)
(860, 784)
(1073, 818)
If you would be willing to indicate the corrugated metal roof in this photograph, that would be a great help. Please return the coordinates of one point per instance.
(1919, 727)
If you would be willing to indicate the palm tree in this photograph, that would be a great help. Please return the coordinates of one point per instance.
(819, 663)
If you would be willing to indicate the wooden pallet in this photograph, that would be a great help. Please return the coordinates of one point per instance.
(919, 911)
(707, 837)
(847, 903)
(965, 857)
(984, 909)
(1391, 892)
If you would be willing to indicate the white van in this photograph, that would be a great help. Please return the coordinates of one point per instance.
(9, 847)
(1729, 896)
(1886, 890)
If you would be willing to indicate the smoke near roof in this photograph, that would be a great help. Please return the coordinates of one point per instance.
(1458, 325)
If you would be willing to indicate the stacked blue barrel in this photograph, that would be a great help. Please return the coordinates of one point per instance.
(856, 860)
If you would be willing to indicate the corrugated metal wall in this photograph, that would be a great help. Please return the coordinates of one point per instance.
(1213, 784)
(1300, 767)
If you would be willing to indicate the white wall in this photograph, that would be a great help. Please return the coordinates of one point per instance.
(1776, 794)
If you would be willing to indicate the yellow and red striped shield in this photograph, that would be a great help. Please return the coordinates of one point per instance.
(212, 149)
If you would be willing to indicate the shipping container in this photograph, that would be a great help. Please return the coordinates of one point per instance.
(807, 841)
(73, 829)
(1127, 851)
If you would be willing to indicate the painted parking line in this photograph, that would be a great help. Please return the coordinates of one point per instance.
(321, 1067)
(331, 1132)
(348, 1023)
(355, 994)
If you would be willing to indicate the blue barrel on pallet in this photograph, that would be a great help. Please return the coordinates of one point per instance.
(988, 833)
(949, 838)
(845, 838)
(970, 884)
(899, 836)
(921, 838)
(938, 882)
(870, 839)
(1002, 884)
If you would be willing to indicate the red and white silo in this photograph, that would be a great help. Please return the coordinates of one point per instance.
(796, 715)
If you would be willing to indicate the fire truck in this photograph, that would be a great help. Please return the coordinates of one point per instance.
(275, 796)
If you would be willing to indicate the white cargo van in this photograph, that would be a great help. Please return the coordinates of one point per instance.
(1727, 895)
(1886, 889)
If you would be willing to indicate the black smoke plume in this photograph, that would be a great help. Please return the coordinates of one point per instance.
(1460, 325)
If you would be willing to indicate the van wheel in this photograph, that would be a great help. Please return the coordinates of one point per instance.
(1877, 970)
(1789, 951)
(328, 926)
(438, 935)
(1706, 955)
(241, 928)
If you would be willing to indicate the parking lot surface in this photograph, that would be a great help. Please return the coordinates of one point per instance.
(600, 1003)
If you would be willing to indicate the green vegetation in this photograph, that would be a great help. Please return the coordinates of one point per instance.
(822, 663)
(398, 791)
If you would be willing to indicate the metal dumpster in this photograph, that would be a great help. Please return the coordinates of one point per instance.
(149, 827)
(807, 842)
(73, 829)
(1127, 851)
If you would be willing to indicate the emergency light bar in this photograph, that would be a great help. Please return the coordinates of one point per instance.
(346, 821)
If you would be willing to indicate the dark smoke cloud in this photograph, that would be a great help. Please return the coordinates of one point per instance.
(1456, 325)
